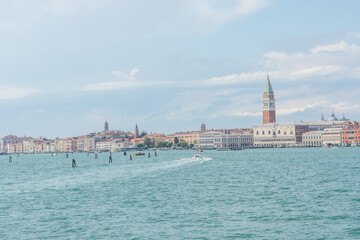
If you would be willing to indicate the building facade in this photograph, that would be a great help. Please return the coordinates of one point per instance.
(312, 139)
(279, 135)
(191, 137)
(224, 140)
(332, 137)
(351, 136)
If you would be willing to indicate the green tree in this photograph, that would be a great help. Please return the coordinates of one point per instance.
(182, 144)
(191, 145)
(161, 144)
(176, 140)
(140, 145)
(148, 143)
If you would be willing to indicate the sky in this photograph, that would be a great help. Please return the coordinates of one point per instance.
(66, 66)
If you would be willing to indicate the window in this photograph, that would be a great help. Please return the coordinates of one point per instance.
(291, 132)
(279, 132)
(263, 132)
(269, 132)
(257, 132)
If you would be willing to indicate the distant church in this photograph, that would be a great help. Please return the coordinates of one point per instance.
(268, 103)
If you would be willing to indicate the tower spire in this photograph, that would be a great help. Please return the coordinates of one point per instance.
(268, 87)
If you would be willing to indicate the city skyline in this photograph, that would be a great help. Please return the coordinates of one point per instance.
(67, 66)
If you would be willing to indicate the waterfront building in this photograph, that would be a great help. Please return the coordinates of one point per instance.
(191, 137)
(137, 141)
(120, 146)
(10, 139)
(203, 127)
(224, 140)
(106, 126)
(18, 147)
(65, 145)
(32, 145)
(332, 136)
(49, 146)
(268, 103)
(103, 145)
(312, 139)
(10, 148)
(207, 140)
(233, 141)
(85, 144)
(279, 135)
(156, 138)
(351, 135)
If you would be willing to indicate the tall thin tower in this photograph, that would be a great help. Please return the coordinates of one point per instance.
(106, 126)
(136, 131)
(268, 103)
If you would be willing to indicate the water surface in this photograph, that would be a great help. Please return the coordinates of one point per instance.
(306, 193)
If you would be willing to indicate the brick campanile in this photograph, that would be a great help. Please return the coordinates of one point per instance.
(268, 103)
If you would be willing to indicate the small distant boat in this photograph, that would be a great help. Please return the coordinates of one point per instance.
(199, 150)
(197, 156)
(330, 145)
(139, 154)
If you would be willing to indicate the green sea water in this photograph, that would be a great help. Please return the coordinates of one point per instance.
(304, 193)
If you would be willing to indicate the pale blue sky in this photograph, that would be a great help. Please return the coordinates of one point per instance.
(67, 65)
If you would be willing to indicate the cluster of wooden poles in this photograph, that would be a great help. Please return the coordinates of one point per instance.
(110, 158)
(73, 162)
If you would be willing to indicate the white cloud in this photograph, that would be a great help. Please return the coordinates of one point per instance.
(234, 78)
(125, 76)
(336, 61)
(16, 92)
(337, 47)
(245, 114)
(345, 106)
(298, 108)
(127, 80)
(318, 71)
(123, 85)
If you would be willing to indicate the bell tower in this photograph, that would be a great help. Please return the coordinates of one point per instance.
(268, 103)
(106, 126)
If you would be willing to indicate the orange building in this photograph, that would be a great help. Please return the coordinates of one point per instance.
(351, 136)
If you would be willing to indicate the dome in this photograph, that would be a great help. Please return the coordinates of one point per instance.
(332, 118)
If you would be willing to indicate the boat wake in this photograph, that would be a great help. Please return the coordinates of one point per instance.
(176, 163)
(83, 176)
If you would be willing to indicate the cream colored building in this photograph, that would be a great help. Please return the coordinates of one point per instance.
(224, 140)
(85, 144)
(279, 135)
(312, 139)
(188, 137)
(332, 136)
(103, 145)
